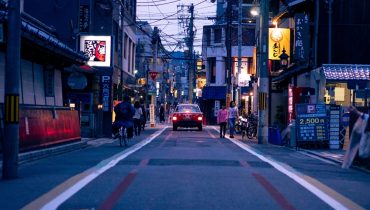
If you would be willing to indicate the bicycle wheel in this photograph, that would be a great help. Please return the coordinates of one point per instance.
(120, 137)
(124, 136)
(250, 132)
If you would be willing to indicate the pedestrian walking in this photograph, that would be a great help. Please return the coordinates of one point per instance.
(222, 116)
(143, 116)
(170, 113)
(360, 138)
(232, 116)
(137, 118)
(161, 114)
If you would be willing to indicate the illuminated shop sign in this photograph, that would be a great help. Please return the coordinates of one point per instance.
(105, 92)
(98, 49)
(279, 39)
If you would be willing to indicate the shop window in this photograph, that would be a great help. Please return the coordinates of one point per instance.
(339, 94)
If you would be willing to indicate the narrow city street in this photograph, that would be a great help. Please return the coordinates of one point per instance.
(184, 169)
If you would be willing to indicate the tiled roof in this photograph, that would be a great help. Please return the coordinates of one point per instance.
(346, 71)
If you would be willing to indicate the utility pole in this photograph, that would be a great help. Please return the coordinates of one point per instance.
(229, 95)
(12, 75)
(152, 107)
(240, 35)
(263, 74)
(191, 56)
(330, 14)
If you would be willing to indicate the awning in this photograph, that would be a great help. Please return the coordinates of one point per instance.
(82, 69)
(288, 73)
(214, 92)
(245, 90)
(346, 71)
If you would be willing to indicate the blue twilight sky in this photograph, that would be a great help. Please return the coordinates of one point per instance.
(164, 14)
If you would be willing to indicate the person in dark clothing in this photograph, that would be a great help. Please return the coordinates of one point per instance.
(161, 114)
(124, 117)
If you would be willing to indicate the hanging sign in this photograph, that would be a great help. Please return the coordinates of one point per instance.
(279, 39)
(301, 42)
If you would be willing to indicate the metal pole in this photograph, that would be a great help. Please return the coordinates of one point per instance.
(191, 62)
(12, 91)
(239, 48)
(263, 74)
(155, 57)
(330, 11)
(228, 53)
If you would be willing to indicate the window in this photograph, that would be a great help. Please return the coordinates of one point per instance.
(207, 37)
(217, 35)
(212, 70)
(125, 44)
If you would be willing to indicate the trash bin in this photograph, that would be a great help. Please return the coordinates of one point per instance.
(275, 136)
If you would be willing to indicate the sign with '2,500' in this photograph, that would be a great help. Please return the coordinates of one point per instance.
(311, 122)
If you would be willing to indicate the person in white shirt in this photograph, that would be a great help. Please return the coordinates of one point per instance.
(137, 118)
(233, 115)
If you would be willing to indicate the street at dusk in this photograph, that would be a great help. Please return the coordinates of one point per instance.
(185, 169)
(184, 104)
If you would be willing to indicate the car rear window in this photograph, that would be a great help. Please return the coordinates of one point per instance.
(185, 108)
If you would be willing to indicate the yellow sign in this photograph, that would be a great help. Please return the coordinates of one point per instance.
(279, 39)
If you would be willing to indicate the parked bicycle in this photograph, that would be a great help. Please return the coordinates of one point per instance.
(251, 128)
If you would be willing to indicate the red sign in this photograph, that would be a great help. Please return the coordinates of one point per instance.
(153, 74)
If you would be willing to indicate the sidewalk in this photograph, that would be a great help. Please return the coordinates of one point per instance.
(334, 155)
(29, 156)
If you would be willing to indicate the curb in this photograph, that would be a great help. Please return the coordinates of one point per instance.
(42, 153)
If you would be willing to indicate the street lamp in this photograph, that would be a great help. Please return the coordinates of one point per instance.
(284, 59)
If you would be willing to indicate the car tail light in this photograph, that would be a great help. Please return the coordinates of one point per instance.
(174, 118)
(200, 118)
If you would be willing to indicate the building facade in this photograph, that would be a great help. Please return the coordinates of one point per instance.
(105, 31)
(44, 118)
(225, 83)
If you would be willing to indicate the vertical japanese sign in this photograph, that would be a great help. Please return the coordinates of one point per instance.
(334, 125)
(84, 18)
(301, 37)
(98, 49)
(216, 108)
(279, 39)
(290, 104)
(105, 92)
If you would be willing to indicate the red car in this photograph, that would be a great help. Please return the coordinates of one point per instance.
(187, 115)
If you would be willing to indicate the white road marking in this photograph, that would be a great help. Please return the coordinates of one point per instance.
(96, 171)
(295, 175)
(318, 158)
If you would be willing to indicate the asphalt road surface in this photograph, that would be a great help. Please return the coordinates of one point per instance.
(185, 169)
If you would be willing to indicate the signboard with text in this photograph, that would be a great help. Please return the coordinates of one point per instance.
(279, 39)
(301, 41)
(97, 49)
(105, 92)
(311, 122)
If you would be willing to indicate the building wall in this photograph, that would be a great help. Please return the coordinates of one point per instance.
(62, 15)
(350, 32)
(32, 85)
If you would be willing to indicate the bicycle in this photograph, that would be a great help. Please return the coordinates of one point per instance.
(251, 128)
